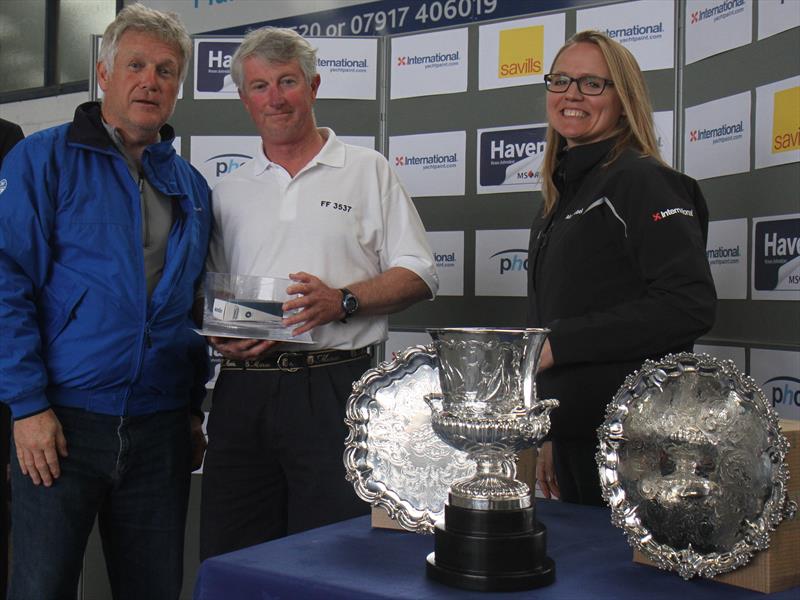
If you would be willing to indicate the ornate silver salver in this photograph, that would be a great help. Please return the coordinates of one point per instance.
(691, 462)
(392, 455)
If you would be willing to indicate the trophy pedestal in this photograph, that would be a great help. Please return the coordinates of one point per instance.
(490, 550)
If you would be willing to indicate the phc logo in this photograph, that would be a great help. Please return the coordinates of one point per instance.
(401, 61)
(784, 390)
(399, 161)
(693, 135)
(517, 261)
(227, 163)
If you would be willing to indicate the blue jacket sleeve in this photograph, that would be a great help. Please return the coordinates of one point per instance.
(27, 211)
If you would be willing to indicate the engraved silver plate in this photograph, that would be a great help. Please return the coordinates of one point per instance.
(392, 455)
(691, 462)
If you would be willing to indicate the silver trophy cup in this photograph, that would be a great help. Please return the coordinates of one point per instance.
(489, 409)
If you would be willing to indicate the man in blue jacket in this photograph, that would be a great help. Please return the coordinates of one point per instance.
(103, 238)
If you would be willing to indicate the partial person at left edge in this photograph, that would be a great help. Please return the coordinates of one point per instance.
(102, 245)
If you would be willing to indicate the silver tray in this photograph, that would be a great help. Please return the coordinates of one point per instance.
(392, 456)
(691, 462)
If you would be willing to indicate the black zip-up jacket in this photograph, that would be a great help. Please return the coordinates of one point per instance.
(618, 271)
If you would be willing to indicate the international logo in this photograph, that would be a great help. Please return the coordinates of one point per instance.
(637, 33)
(663, 214)
(723, 10)
(783, 390)
(214, 65)
(777, 255)
(429, 161)
(343, 65)
(511, 156)
(430, 61)
(445, 261)
(724, 255)
(3, 185)
(521, 52)
(227, 163)
(512, 260)
(726, 132)
(786, 120)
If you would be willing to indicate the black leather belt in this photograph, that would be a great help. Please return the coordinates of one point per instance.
(294, 361)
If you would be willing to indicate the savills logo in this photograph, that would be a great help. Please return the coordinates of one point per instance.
(720, 11)
(521, 52)
(786, 120)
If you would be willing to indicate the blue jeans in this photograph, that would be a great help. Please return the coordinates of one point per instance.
(133, 474)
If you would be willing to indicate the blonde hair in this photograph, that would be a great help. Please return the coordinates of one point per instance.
(635, 128)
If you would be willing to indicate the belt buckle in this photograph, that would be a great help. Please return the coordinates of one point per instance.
(285, 362)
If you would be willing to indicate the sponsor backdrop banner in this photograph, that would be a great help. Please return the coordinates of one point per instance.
(734, 353)
(777, 372)
(429, 64)
(775, 16)
(448, 252)
(510, 158)
(501, 262)
(714, 26)
(663, 123)
(717, 137)
(430, 164)
(776, 258)
(400, 340)
(217, 155)
(348, 68)
(778, 122)
(727, 257)
(212, 68)
(646, 28)
(518, 52)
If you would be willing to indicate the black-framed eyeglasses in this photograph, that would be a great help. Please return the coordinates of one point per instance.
(589, 85)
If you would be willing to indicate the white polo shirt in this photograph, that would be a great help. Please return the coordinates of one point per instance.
(344, 217)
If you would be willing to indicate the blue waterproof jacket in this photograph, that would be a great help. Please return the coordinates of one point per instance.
(76, 326)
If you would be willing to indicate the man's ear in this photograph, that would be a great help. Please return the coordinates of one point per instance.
(315, 85)
(102, 75)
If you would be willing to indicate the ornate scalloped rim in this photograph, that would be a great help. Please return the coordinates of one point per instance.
(689, 563)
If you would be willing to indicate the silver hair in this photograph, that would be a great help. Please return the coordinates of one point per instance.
(275, 45)
(166, 26)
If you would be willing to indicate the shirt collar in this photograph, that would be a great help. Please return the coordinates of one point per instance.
(331, 154)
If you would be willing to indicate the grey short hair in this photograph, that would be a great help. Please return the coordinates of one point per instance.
(166, 26)
(275, 45)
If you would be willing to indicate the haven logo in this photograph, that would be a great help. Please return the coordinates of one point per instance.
(513, 260)
(783, 391)
(214, 65)
(511, 156)
(663, 214)
(724, 133)
(718, 12)
(431, 161)
(227, 163)
(432, 61)
(777, 255)
(521, 52)
(786, 120)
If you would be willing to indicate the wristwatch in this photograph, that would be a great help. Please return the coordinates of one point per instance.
(349, 303)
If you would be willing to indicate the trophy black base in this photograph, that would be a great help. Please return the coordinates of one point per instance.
(490, 550)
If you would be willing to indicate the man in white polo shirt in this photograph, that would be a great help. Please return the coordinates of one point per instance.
(335, 219)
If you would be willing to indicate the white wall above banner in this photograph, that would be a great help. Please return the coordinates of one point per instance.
(448, 252)
(778, 122)
(727, 256)
(717, 137)
(776, 258)
(714, 26)
(429, 63)
(775, 16)
(348, 68)
(510, 158)
(430, 164)
(518, 52)
(217, 155)
(501, 262)
(646, 28)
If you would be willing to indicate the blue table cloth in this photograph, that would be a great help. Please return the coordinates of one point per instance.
(351, 560)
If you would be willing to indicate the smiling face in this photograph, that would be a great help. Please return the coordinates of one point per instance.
(582, 119)
(280, 100)
(140, 92)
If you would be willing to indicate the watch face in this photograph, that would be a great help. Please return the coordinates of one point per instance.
(350, 303)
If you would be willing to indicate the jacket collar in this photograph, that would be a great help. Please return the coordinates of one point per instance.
(574, 163)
